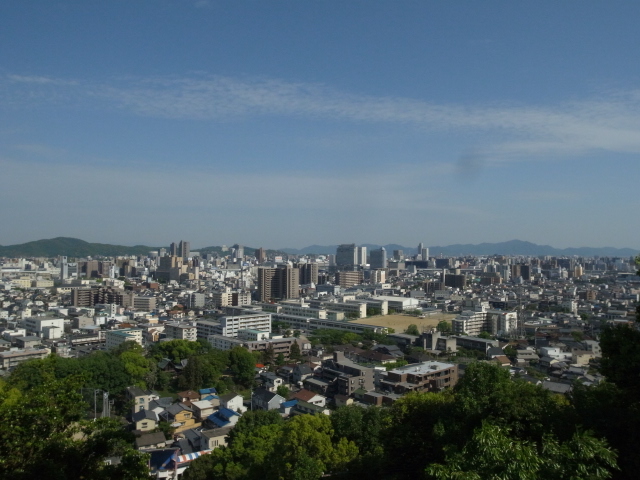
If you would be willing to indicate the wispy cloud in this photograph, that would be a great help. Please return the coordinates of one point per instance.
(610, 123)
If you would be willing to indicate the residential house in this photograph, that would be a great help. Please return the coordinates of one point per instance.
(307, 408)
(266, 400)
(150, 441)
(271, 381)
(205, 392)
(145, 420)
(301, 372)
(141, 398)
(232, 401)
(309, 397)
(180, 416)
(214, 438)
(189, 395)
(223, 418)
(202, 409)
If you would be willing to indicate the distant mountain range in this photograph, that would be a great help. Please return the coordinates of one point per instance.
(73, 247)
(512, 247)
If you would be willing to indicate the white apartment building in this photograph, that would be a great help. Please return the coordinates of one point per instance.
(116, 337)
(205, 328)
(229, 326)
(502, 323)
(224, 343)
(253, 335)
(469, 323)
(44, 326)
(180, 331)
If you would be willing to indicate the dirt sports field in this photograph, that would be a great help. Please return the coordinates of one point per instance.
(400, 322)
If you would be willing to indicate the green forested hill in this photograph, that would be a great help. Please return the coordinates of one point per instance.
(71, 247)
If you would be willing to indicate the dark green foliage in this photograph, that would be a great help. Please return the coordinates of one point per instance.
(621, 358)
(295, 354)
(44, 430)
(177, 350)
(243, 366)
(364, 427)
(328, 336)
(251, 420)
(493, 454)
(283, 391)
(444, 326)
(412, 330)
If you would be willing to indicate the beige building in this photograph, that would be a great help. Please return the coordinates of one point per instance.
(180, 331)
(118, 337)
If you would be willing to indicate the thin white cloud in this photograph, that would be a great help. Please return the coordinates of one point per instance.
(509, 131)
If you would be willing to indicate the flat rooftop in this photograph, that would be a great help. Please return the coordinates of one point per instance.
(424, 367)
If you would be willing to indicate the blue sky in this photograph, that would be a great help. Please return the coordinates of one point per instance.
(288, 123)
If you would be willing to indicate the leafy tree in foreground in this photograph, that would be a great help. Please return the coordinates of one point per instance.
(492, 454)
(44, 429)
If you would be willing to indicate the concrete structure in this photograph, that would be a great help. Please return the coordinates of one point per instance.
(378, 259)
(224, 343)
(310, 324)
(229, 326)
(419, 377)
(12, 358)
(46, 327)
(278, 283)
(117, 337)
(180, 331)
(347, 255)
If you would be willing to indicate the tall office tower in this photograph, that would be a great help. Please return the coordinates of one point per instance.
(261, 255)
(525, 272)
(173, 249)
(361, 256)
(64, 268)
(239, 249)
(424, 252)
(278, 283)
(378, 258)
(163, 252)
(398, 255)
(420, 247)
(346, 255)
(184, 249)
(308, 273)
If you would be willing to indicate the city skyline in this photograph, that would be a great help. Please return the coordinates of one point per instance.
(291, 123)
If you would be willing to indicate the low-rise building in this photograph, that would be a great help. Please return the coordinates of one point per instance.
(426, 376)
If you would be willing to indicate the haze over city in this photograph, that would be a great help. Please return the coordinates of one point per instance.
(285, 124)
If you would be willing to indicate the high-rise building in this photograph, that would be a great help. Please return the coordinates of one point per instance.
(398, 255)
(278, 283)
(424, 253)
(308, 273)
(184, 249)
(261, 255)
(64, 268)
(239, 251)
(361, 256)
(173, 249)
(378, 258)
(420, 247)
(346, 255)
